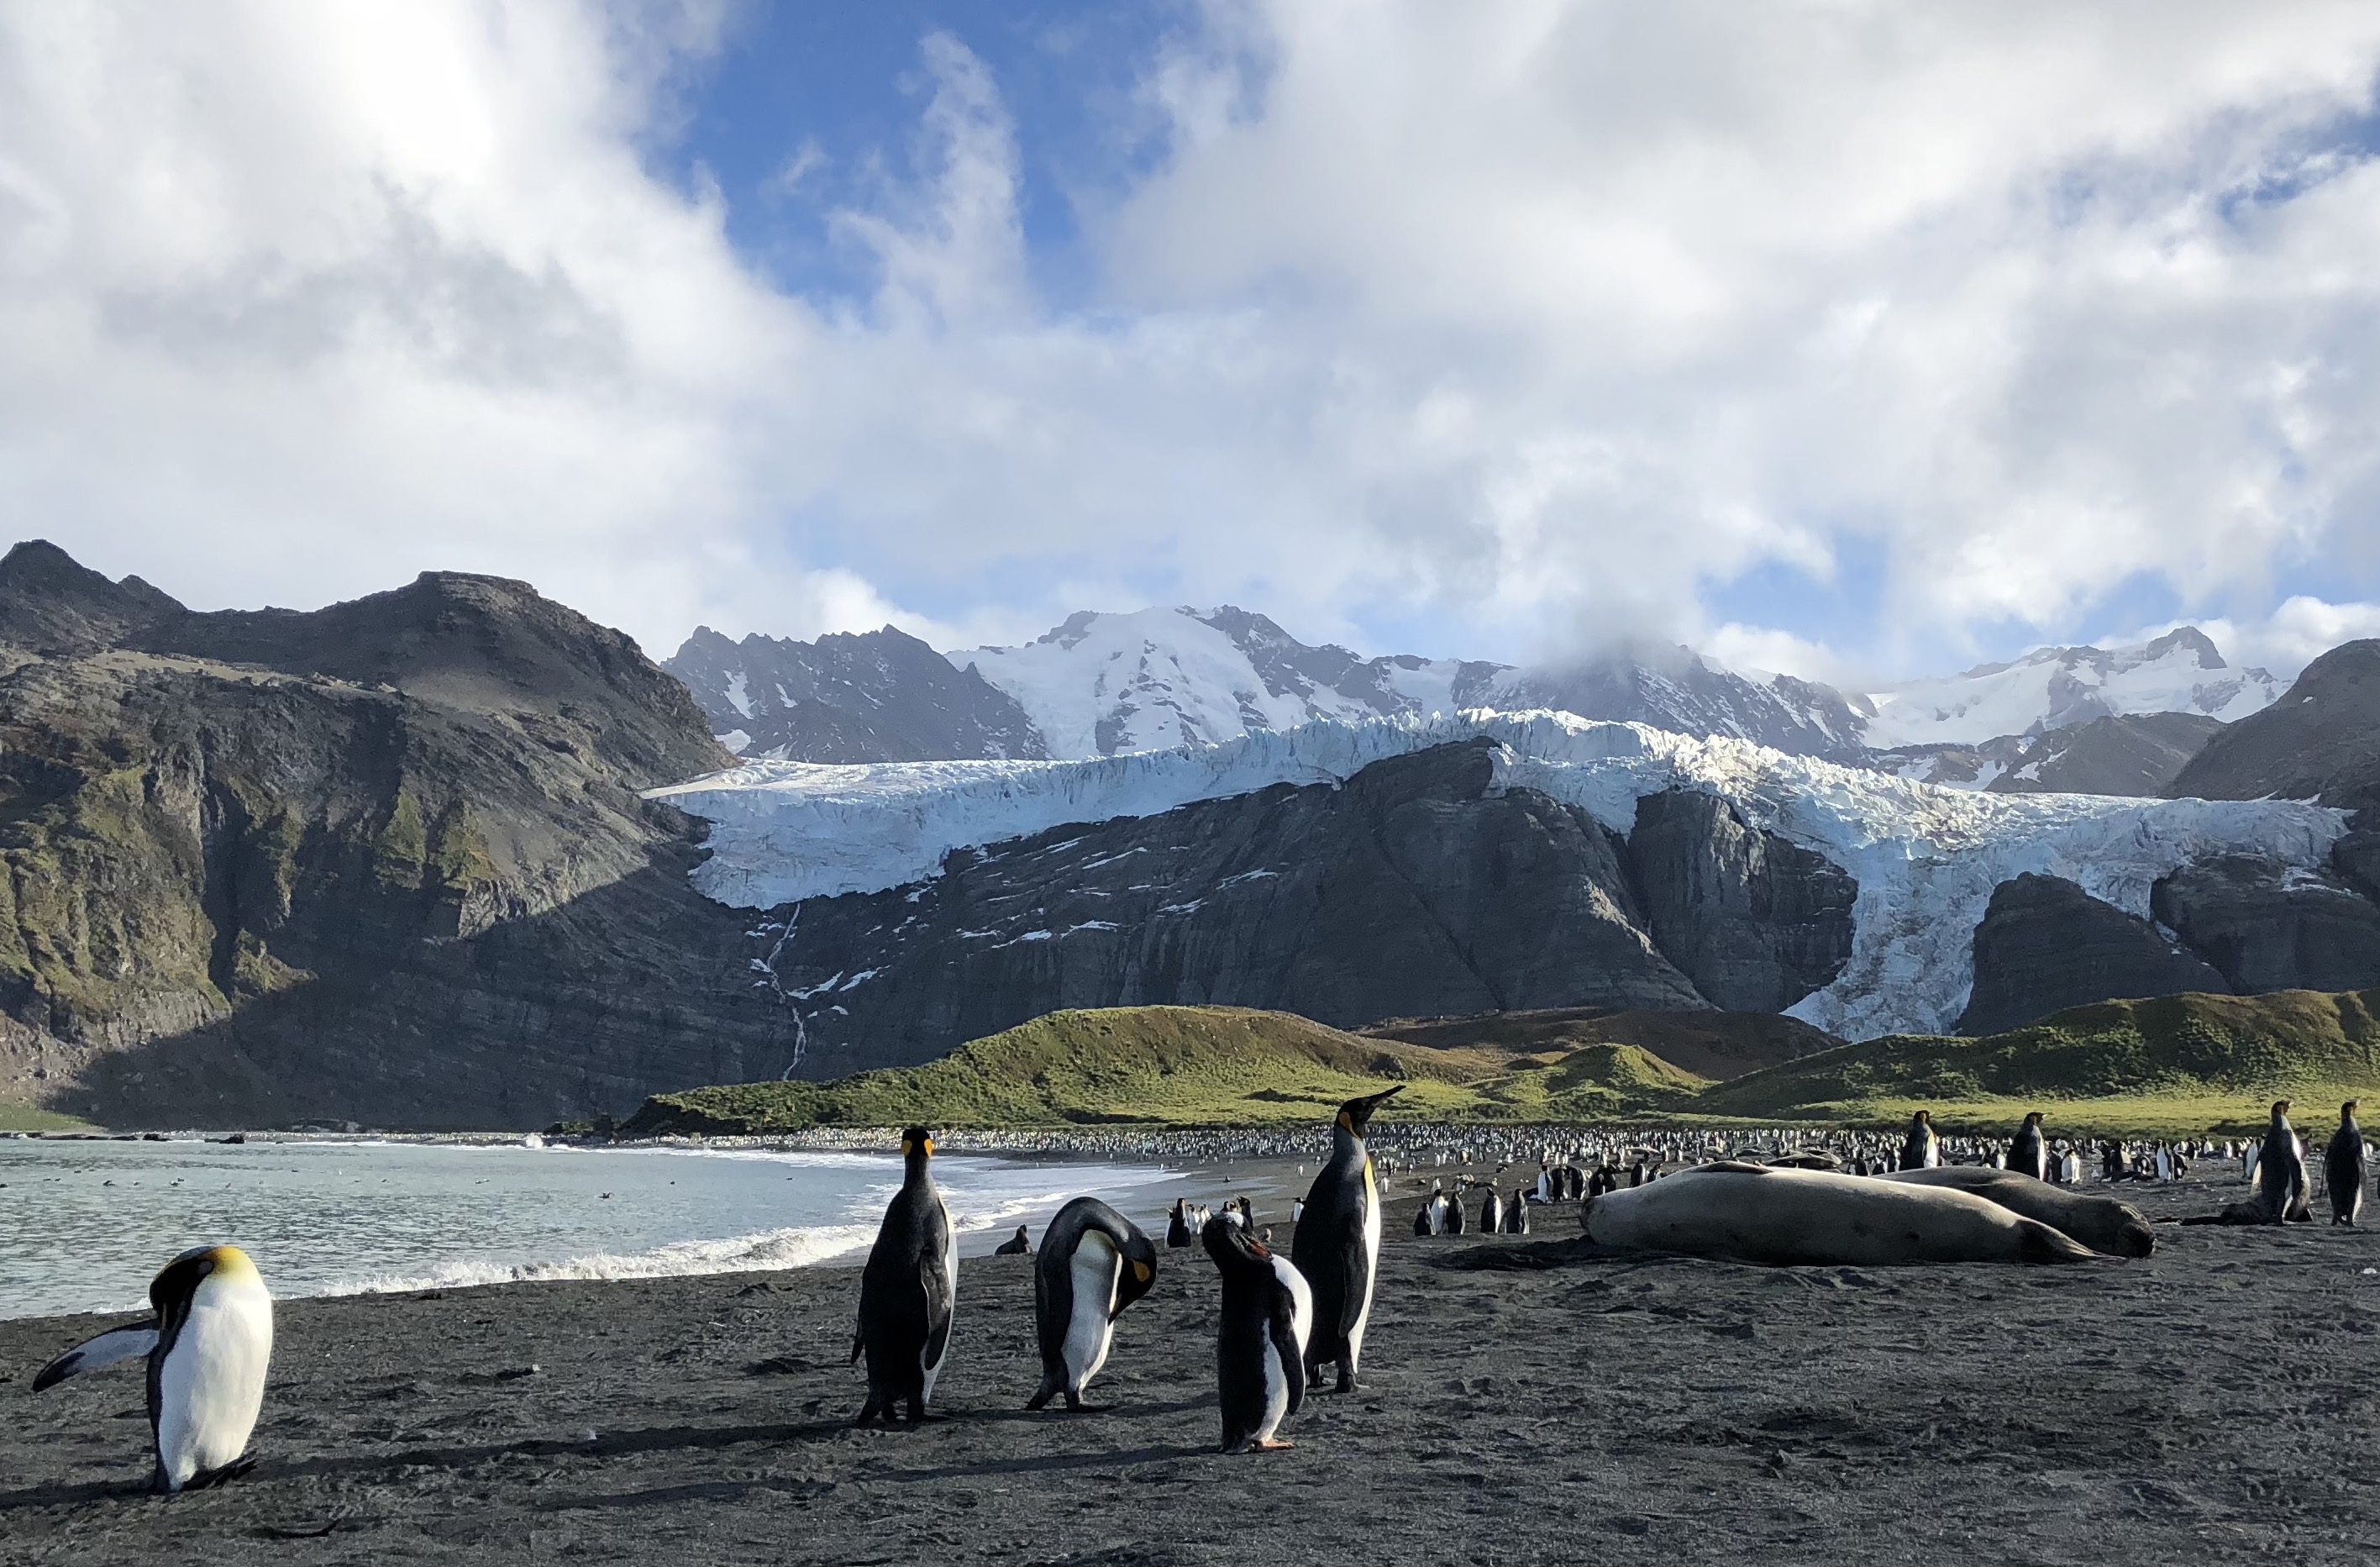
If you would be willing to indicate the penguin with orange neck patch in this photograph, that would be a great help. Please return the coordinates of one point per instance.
(1337, 1248)
(1093, 1263)
(208, 1346)
(909, 1291)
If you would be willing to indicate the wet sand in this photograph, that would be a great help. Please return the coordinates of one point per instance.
(2213, 1403)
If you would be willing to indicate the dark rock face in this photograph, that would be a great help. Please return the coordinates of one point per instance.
(390, 865)
(2320, 741)
(2044, 945)
(1410, 890)
(1756, 922)
(2136, 756)
(52, 603)
(883, 696)
(2267, 928)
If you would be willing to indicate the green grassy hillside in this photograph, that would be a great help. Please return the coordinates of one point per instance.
(2188, 1063)
(1182, 1066)
(2179, 1063)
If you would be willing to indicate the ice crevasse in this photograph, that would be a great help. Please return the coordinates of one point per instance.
(1926, 859)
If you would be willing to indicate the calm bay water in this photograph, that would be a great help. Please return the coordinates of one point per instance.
(85, 1225)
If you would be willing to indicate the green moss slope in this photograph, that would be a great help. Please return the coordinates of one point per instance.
(1179, 1066)
(2175, 1064)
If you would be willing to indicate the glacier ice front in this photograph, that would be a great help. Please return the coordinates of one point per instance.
(1926, 859)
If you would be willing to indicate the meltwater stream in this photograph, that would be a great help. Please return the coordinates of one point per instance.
(84, 1226)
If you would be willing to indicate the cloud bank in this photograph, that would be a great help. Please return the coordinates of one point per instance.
(1835, 335)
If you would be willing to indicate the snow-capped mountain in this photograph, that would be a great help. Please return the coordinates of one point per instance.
(2058, 688)
(1926, 861)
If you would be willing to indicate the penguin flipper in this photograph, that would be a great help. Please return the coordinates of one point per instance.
(111, 1348)
(1287, 1349)
(939, 1301)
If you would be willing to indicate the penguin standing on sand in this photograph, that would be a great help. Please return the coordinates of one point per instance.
(1516, 1216)
(2027, 1154)
(1338, 1247)
(1491, 1213)
(2344, 1165)
(1921, 1149)
(2280, 1196)
(208, 1344)
(1261, 1341)
(1094, 1262)
(909, 1291)
(1177, 1225)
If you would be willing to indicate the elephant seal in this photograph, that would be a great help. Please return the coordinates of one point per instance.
(1758, 1213)
(2117, 1229)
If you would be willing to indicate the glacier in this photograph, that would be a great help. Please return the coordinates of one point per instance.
(1926, 859)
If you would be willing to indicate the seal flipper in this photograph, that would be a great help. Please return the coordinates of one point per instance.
(111, 1348)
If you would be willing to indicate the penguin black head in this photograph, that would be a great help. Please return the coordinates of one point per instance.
(1924, 1118)
(1139, 1271)
(1233, 1248)
(2346, 1112)
(2032, 1118)
(2280, 1107)
(917, 1145)
(1356, 1115)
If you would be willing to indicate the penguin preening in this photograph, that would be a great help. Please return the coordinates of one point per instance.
(1094, 1263)
(1261, 1338)
(1923, 1150)
(208, 1346)
(2344, 1166)
(909, 1290)
(2281, 1191)
(1338, 1247)
(2028, 1155)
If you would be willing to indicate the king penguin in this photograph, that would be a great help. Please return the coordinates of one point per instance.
(208, 1343)
(2280, 1194)
(1177, 1225)
(1094, 1262)
(1516, 1215)
(2344, 1165)
(1262, 1338)
(908, 1290)
(2027, 1154)
(1923, 1150)
(1338, 1247)
(1491, 1212)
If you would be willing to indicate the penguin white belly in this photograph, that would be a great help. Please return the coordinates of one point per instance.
(212, 1383)
(933, 1368)
(1275, 1382)
(1097, 1268)
(1371, 1265)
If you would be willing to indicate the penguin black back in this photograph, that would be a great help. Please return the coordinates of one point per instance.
(2343, 1165)
(1337, 1248)
(1260, 1339)
(2027, 1154)
(1089, 1246)
(908, 1290)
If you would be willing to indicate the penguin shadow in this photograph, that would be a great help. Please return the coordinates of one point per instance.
(356, 1466)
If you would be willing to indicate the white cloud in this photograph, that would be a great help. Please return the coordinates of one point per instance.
(1531, 322)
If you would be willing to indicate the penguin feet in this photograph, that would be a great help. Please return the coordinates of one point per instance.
(1269, 1444)
(1347, 1383)
(232, 1471)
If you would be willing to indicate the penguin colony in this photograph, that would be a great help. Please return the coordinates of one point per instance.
(1771, 1197)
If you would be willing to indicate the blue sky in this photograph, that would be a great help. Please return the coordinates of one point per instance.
(1854, 340)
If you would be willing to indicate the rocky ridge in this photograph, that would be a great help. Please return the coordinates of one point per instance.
(383, 861)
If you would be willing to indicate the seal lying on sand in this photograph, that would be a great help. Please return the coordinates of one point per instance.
(2102, 1223)
(1757, 1213)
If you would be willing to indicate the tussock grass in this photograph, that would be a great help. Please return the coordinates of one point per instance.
(2168, 1067)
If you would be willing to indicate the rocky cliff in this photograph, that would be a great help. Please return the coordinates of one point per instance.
(1416, 889)
(385, 861)
(2320, 740)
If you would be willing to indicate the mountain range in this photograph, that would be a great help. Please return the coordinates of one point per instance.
(2095, 720)
(453, 856)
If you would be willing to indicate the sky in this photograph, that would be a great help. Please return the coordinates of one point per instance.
(1852, 339)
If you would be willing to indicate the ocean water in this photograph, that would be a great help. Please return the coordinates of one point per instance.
(85, 1225)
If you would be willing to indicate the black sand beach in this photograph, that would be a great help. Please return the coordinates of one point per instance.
(2213, 1403)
